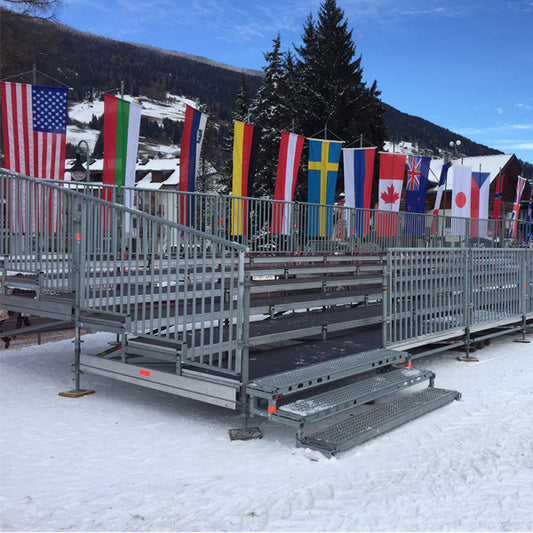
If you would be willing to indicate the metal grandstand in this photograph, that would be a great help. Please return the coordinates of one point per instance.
(292, 325)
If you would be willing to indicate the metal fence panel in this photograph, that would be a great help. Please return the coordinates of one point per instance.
(431, 292)
(172, 282)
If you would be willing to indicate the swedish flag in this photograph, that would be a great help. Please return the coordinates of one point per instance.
(323, 167)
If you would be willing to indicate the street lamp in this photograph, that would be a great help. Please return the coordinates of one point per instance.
(78, 171)
(454, 145)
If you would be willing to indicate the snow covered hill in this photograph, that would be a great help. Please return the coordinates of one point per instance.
(83, 112)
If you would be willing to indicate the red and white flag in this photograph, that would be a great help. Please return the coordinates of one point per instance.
(391, 176)
(520, 186)
(34, 123)
(461, 198)
(290, 153)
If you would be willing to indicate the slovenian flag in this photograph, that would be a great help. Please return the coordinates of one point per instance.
(245, 148)
(415, 193)
(391, 175)
(290, 153)
(323, 165)
(191, 146)
(358, 175)
(479, 204)
(122, 120)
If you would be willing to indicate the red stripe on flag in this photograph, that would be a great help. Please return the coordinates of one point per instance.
(110, 142)
(184, 164)
(15, 129)
(247, 139)
(185, 149)
(279, 189)
(5, 128)
(27, 128)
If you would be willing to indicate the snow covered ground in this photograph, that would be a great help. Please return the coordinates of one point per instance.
(132, 459)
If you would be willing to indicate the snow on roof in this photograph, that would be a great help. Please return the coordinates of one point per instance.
(486, 163)
(146, 183)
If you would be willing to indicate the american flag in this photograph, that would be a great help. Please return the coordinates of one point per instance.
(520, 185)
(34, 123)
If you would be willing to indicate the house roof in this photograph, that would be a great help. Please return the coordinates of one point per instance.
(493, 164)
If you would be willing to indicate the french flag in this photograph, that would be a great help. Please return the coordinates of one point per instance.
(290, 153)
(191, 145)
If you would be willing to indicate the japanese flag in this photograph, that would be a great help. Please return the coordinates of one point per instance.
(461, 197)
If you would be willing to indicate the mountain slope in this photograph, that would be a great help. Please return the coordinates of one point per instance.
(92, 65)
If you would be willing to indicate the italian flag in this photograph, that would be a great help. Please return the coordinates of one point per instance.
(122, 120)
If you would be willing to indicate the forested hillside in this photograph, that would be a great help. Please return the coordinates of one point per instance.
(91, 65)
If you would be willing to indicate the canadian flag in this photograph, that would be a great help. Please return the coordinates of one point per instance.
(391, 174)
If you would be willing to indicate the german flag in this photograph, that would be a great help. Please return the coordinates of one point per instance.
(245, 147)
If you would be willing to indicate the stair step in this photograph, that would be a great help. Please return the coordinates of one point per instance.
(364, 426)
(337, 400)
(300, 379)
(25, 282)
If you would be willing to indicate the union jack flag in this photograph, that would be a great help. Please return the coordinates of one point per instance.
(413, 173)
(520, 185)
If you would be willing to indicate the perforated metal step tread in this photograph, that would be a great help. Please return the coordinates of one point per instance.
(364, 426)
(307, 377)
(334, 401)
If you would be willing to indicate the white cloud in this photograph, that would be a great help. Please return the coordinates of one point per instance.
(495, 129)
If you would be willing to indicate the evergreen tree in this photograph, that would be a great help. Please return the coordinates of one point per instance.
(271, 110)
(331, 95)
(242, 103)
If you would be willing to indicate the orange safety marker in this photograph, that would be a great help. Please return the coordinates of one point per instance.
(144, 373)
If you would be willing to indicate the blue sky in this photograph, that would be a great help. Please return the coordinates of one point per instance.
(466, 65)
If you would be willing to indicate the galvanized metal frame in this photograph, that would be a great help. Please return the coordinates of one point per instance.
(216, 214)
(183, 296)
(434, 294)
(125, 273)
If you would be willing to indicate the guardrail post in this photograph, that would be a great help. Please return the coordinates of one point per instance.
(244, 341)
(469, 304)
(524, 264)
(76, 257)
(385, 322)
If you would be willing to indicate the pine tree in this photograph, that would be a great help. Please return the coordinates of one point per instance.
(273, 112)
(331, 95)
(242, 103)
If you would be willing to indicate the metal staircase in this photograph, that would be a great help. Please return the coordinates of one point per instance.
(306, 397)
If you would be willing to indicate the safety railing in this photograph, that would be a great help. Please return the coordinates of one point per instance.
(269, 226)
(439, 292)
(172, 282)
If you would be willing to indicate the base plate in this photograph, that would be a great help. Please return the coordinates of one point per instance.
(245, 433)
